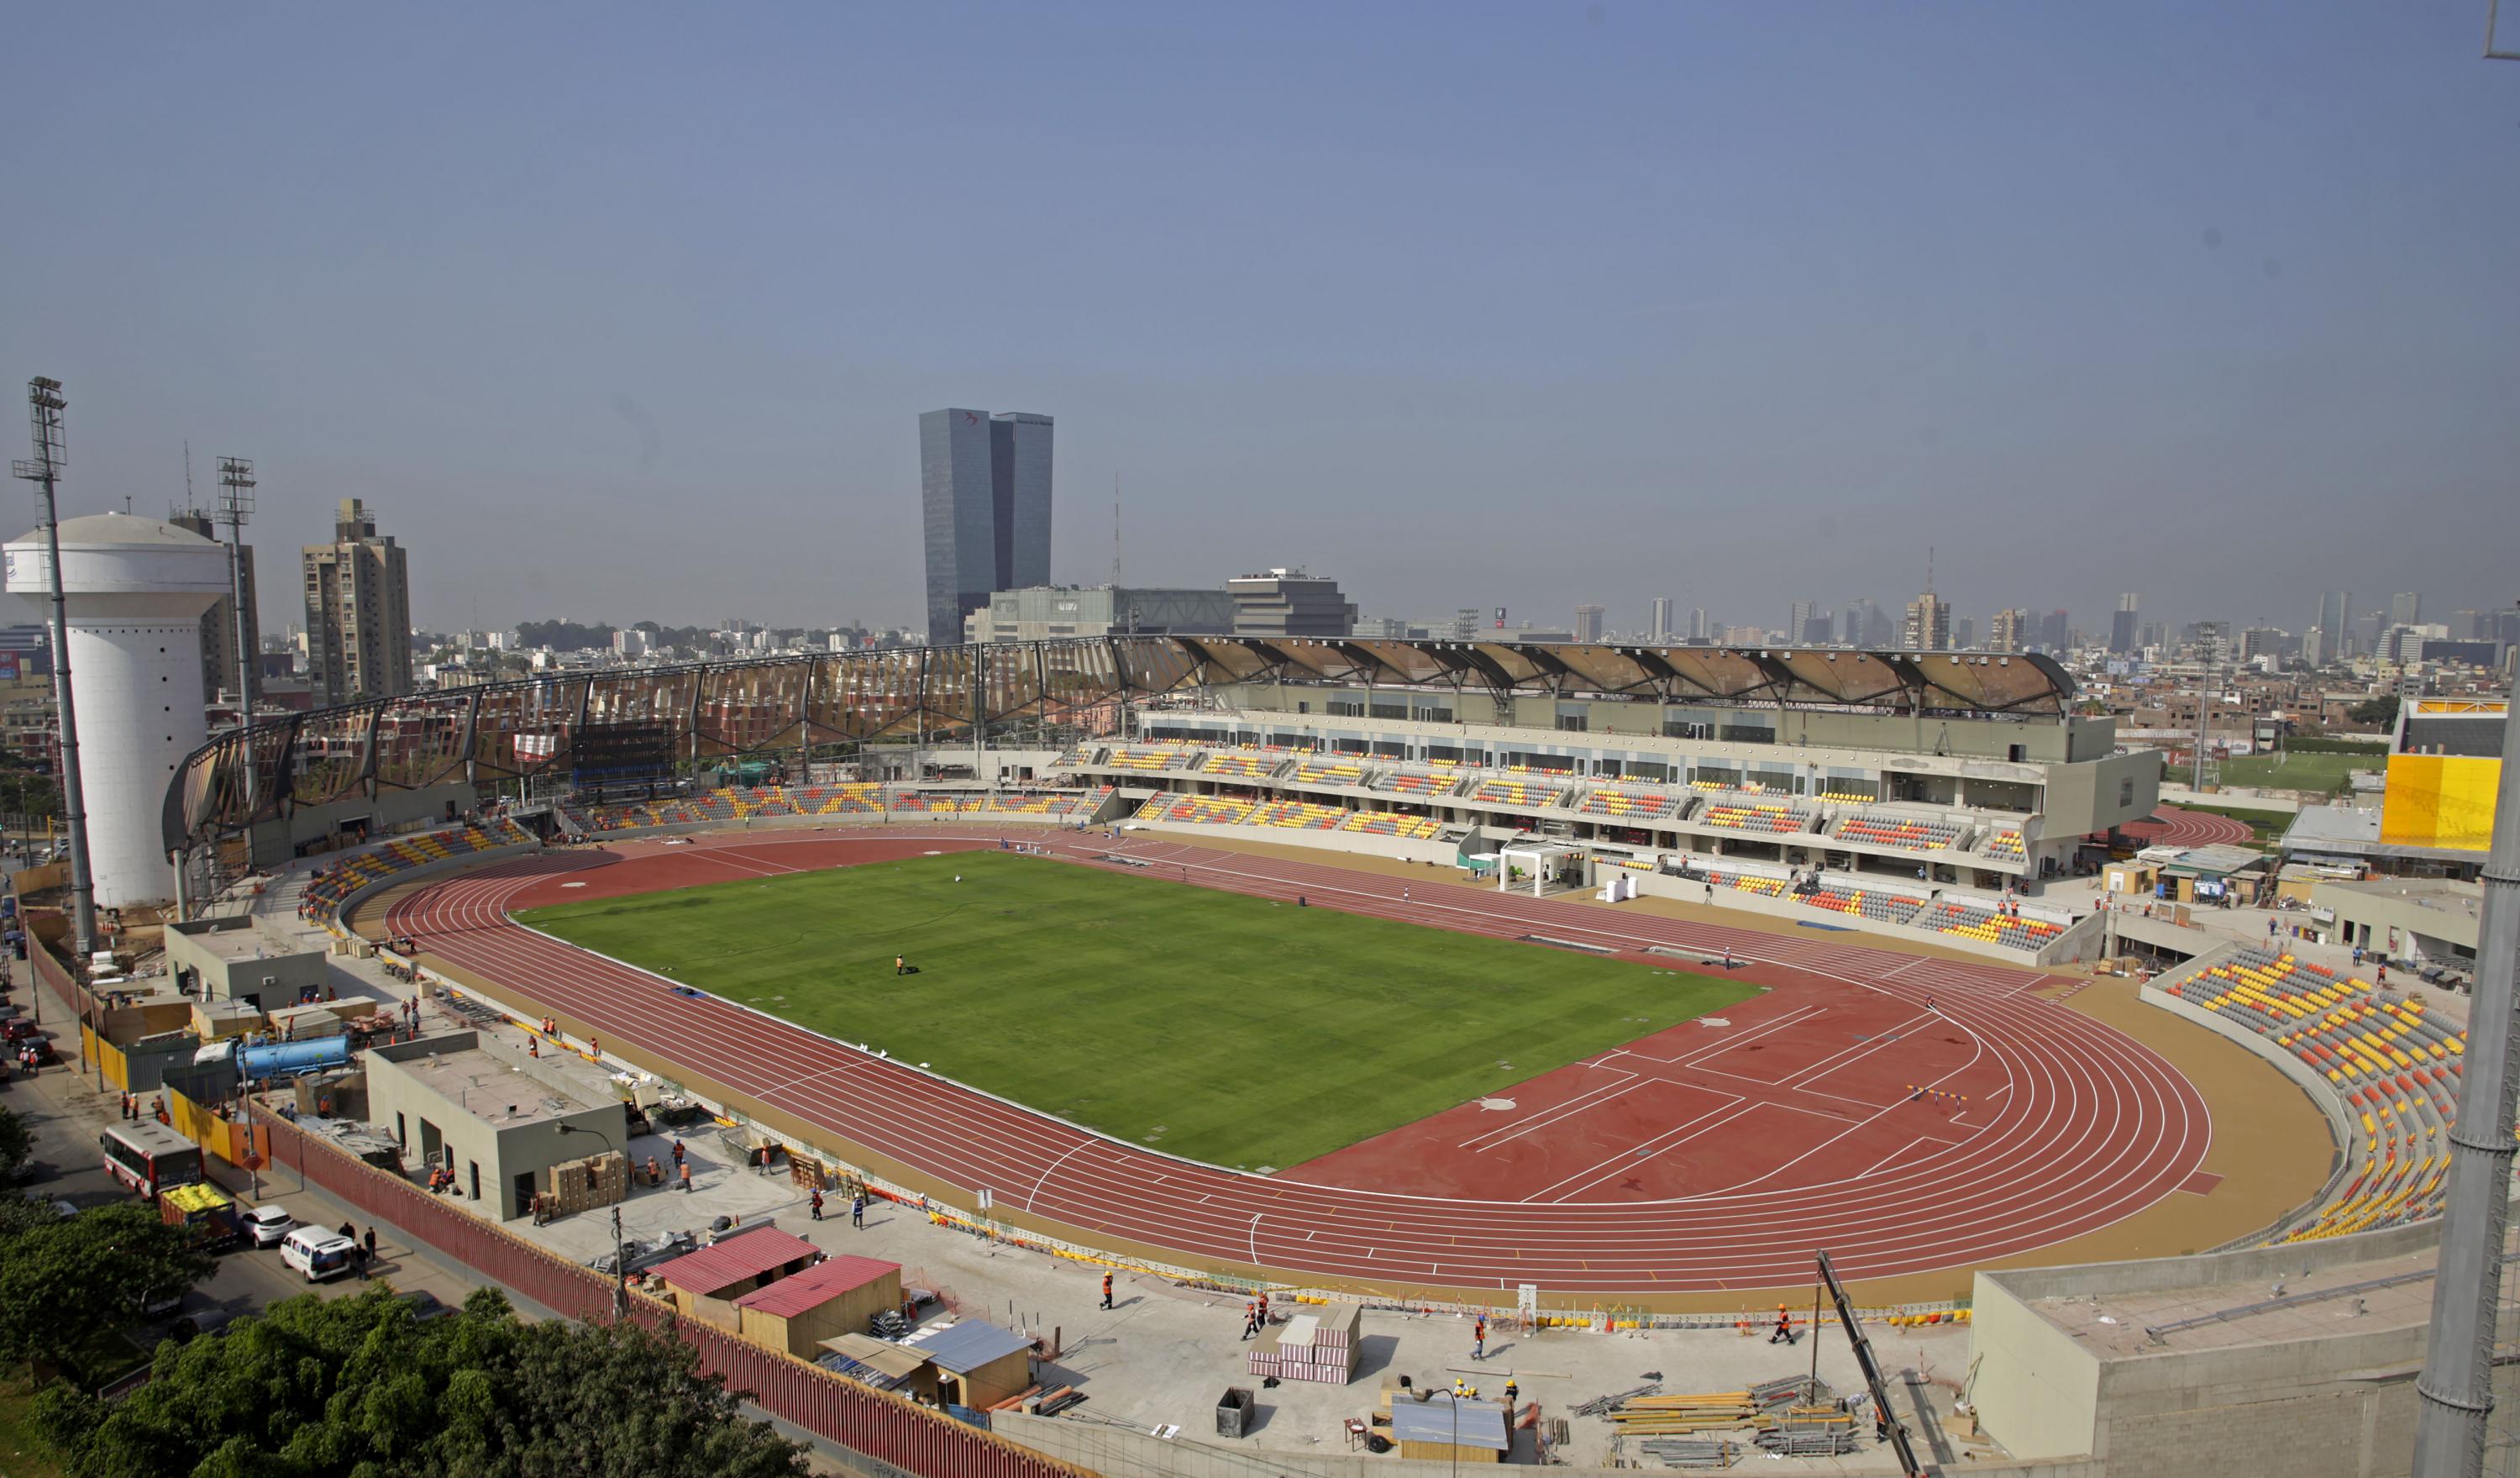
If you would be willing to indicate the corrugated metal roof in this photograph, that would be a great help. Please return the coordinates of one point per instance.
(818, 1284)
(734, 1259)
(1481, 1425)
(969, 1345)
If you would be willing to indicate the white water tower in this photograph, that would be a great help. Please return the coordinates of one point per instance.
(136, 590)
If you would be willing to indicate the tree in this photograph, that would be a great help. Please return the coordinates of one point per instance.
(2380, 713)
(65, 1281)
(358, 1386)
(17, 1143)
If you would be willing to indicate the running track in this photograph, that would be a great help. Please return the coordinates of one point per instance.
(2169, 826)
(2092, 1127)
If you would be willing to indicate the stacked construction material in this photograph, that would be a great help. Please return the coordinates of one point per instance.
(1815, 1431)
(1648, 1414)
(576, 1186)
(1690, 1452)
(1318, 1348)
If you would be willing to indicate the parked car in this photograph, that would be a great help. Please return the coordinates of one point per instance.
(269, 1226)
(318, 1254)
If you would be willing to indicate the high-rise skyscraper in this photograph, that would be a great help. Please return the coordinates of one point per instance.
(2406, 609)
(984, 490)
(2004, 632)
(1964, 634)
(1929, 623)
(2122, 626)
(2335, 621)
(2056, 632)
(1699, 624)
(358, 612)
(1588, 623)
(1662, 620)
(1797, 621)
(219, 672)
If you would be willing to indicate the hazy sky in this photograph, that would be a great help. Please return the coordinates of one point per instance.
(620, 311)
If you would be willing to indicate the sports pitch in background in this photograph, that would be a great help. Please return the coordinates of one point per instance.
(1228, 1029)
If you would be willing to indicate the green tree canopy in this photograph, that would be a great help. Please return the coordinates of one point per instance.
(16, 1145)
(65, 1281)
(2380, 713)
(359, 1388)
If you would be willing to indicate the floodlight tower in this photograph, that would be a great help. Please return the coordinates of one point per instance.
(44, 406)
(236, 508)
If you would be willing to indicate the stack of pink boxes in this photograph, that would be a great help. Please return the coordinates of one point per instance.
(1317, 1346)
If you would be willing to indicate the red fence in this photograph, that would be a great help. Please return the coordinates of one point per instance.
(858, 1417)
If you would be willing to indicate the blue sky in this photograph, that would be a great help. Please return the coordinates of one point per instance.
(628, 312)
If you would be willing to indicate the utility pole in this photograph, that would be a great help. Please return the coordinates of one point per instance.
(235, 507)
(2455, 1395)
(44, 405)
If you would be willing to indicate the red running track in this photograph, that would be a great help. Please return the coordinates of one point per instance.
(2088, 1127)
(2169, 826)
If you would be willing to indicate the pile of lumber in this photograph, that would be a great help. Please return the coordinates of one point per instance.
(1684, 1415)
(1690, 1451)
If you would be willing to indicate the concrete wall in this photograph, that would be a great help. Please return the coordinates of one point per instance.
(276, 842)
(2037, 1391)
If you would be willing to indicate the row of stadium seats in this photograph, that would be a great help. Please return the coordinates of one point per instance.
(321, 902)
(1392, 824)
(735, 804)
(1902, 833)
(1435, 782)
(1771, 816)
(2396, 1067)
(2005, 847)
(1748, 882)
(1535, 794)
(1329, 773)
(1299, 815)
(1150, 758)
(1619, 804)
(1885, 907)
(1195, 810)
(1239, 765)
(1990, 926)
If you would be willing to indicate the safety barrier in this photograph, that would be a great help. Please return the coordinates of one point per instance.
(858, 1417)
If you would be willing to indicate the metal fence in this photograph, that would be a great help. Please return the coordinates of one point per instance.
(858, 1417)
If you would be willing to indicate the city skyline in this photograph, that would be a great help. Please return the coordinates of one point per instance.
(2204, 309)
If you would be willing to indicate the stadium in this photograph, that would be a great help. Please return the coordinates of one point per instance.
(1578, 980)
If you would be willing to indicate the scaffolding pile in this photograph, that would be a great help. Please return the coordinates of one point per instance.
(1797, 1416)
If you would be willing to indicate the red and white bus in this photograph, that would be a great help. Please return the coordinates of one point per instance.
(149, 1157)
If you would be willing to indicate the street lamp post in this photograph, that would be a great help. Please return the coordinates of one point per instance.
(620, 1259)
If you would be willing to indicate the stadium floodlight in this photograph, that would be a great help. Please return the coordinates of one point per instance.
(44, 406)
(235, 507)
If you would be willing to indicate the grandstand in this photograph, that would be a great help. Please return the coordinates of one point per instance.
(1773, 817)
(1630, 805)
(1392, 824)
(1514, 790)
(1881, 907)
(1235, 765)
(1150, 758)
(328, 887)
(1898, 833)
(1988, 925)
(1195, 810)
(1327, 772)
(1442, 781)
(2005, 846)
(2393, 1063)
(1299, 815)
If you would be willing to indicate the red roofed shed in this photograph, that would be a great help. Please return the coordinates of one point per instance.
(836, 1296)
(705, 1283)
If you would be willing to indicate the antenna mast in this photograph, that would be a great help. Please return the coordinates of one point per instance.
(1115, 531)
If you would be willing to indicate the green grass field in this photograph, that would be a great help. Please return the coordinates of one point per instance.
(2298, 771)
(1224, 1028)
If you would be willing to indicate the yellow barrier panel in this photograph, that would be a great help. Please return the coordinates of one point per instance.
(2440, 801)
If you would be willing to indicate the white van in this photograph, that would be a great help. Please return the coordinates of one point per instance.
(318, 1253)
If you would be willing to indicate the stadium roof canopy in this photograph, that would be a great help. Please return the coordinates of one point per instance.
(571, 723)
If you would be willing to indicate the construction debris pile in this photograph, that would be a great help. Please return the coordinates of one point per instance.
(1797, 1416)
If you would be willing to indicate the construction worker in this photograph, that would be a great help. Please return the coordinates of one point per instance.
(1512, 1393)
(1479, 1338)
(1106, 1290)
(817, 1204)
(1784, 1334)
(1460, 1389)
(857, 1211)
(1250, 1319)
